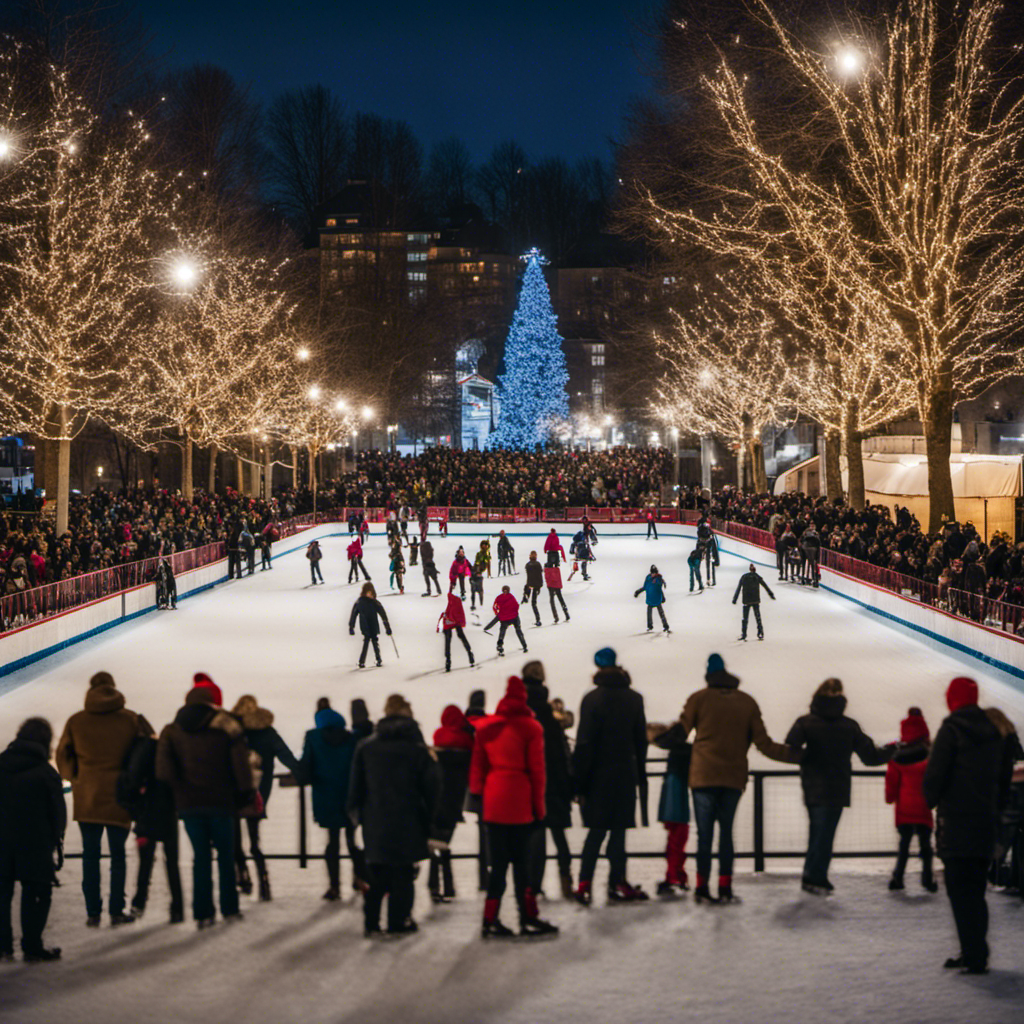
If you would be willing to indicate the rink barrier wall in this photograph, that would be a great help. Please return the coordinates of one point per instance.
(940, 629)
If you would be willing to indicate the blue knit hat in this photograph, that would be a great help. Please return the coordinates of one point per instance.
(328, 716)
(715, 664)
(605, 658)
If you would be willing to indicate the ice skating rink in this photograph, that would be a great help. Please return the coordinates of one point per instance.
(780, 954)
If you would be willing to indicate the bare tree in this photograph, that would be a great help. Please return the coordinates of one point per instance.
(500, 181)
(449, 178)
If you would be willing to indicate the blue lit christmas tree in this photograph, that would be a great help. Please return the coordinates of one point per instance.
(532, 388)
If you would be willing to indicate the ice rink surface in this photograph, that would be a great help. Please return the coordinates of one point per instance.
(779, 955)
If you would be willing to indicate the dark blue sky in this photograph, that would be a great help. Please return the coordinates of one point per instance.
(553, 74)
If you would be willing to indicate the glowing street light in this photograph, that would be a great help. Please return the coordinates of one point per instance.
(850, 61)
(302, 355)
(6, 149)
(314, 392)
(341, 405)
(184, 273)
(367, 412)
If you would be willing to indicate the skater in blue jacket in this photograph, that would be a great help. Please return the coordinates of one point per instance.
(654, 590)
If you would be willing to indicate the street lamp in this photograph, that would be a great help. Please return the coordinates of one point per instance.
(850, 61)
(367, 412)
(314, 392)
(6, 149)
(341, 405)
(184, 273)
(302, 355)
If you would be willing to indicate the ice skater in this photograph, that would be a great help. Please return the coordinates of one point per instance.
(459, 571)
(414, 550)
(424, 520)
(398, 569)
(581, 553)
(810, 544)
(506, 612)
(476, 588)
(553, 579)
(654, 589)
(696, 556)
(355, 561)
(652, 524)
(166, 588)
(429, 568)
(706, 537)
(534, 584)
(506, 555)
(314, 554)
(368, 609)
(552, 543)
(453, 618)
(750, 585)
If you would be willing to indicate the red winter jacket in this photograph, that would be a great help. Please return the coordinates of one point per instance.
(454, 615)
(508, 761)
(904, 788)
(455, 730)
(553, 577)
(554, 544)
(506, 607)
(355, 550)
(458, 569)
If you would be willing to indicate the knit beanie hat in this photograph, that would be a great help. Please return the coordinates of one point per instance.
(605, 658)
(516, 688)
(533, 672)
(101, 679)
(715, 664)
(328, 716)
(477, 699)
(201, 681)
(913, 728)
(962, 692)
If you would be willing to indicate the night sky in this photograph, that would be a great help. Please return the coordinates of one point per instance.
(553, 74)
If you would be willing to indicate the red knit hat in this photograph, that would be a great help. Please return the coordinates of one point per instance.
(913, 728)
(202, 681)
(962, 693)
(516, 688)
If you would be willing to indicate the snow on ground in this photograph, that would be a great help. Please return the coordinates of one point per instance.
(778, 955)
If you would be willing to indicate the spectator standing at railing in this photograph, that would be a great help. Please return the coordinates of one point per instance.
(453, 749)
(33, 818)
(166, 588)
(725, 722)
(91, 755)
(967, 782)
(827, 741)
(810, 544)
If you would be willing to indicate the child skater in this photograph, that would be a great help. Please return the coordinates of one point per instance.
(453, 618)
(674, 806)
(476, 586)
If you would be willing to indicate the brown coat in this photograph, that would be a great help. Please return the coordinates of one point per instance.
(725, 722)
(91, 754)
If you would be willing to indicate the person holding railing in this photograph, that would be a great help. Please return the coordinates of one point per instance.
(827, 741)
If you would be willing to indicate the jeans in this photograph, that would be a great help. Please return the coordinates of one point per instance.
(395, 881)
(430, 573)
(314, 571)
(757, 617)
(509, 844)
(616, 855)
(650, 615)
(539, 854)
(924, 839)
(503, 629)
(448, 645)
(714, 804)
(966, 879)
(824, 819)
(531, 594)
(651, 528)
(355, 567)
(147, 857)
(333, 851)
(556, 593)
(92, 840)
(695, 577)
(367, 640)
(207, 832)
(35, 908)
(265, 557)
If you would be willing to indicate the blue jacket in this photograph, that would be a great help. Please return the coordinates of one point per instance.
(654, 589)
(325, 766)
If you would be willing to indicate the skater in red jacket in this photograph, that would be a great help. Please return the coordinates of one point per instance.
(506, 612)
(552, 543)
(553, 581)
(904, 787)
(355, 561)
(453, 618)
(460, 571)
(507, 771)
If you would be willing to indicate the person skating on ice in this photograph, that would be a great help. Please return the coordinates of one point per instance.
(483, 557)
(414, 550)
(582, 555)
(534, 583)
(314, 554)
(506, 612)
(476, 588)
(652, 524)
(459, 572)
(398, 570)
(453, 618)
(750, 585)
(706, 537)
(429, 568)
(783, 546)
(810, 544)
(553, 580)
(367, 610)
(355, 561)
(506, 555)
(552, 543)
(653, 588)
(694, 559)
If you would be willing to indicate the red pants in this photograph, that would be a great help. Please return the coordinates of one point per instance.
(675, 853)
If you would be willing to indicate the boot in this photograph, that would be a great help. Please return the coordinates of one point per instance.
(895, 883)
(264, 887)
(566, 879)
(626, 893)
(537, 928)
(495, 930)
(333, 894)
(242, 875)
(725, 893)
(583, 895)
(42, 955)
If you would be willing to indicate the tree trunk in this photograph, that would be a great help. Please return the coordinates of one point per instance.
(63, 474)
(295, 468)
(312, 477)
(854, 468)
(833, 471)
(186, 468)
(240, 474)
(268, 474)
(758, 473)
(212, 478)
(937, 419)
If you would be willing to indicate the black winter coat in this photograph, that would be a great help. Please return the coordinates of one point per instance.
(393, 792)
(427, 554)
(150, 801)
(271, 748)
(534, 574)
(750, 585)
(609, 762)
(366, 609)
(968, 783)
(454, 767)
(557, 759)
(828, 740)
(33, 815)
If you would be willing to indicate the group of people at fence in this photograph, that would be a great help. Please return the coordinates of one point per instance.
(515, 768)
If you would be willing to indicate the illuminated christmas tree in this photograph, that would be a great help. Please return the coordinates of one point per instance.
(533, 386)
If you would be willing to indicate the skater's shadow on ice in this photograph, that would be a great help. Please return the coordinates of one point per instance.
(805, 911)
(325, 912)
(1001, 984)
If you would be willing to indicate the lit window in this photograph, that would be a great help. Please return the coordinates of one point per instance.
(332, 222)
(597, 360)
(417, 275)
(599, 349)
(351, 220)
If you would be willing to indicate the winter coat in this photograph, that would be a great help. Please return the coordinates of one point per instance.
(92, 752)
(393, 792)
(367, 609)
(654, 589)
(967, 782)
(506, 607)
(149, 801)
(355, 550)
(750, 585)
(203, 757)
(454, 615)
(904, 786)
(557, 759)
(695, 557)
(725, 721)
(32, 813)
(609, 761)
(674, 805)
(810, 543)
(460, 567)
(580, 548)
(553, 577)
(507, 768)
(534, 574)
(325, 766)
(453, 748)
(552, 543)
(828, 740)
(504, 547)
(264, 739)
(427, 554)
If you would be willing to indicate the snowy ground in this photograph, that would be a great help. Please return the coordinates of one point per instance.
(864, 953)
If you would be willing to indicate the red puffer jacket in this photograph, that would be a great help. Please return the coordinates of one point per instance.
(355, 550)
(454, 615)
(508, 761)
(553, 577)
(506, 607)
(904, 788)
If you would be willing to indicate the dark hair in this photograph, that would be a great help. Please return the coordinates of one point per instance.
(323, 703)
(36, 730)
